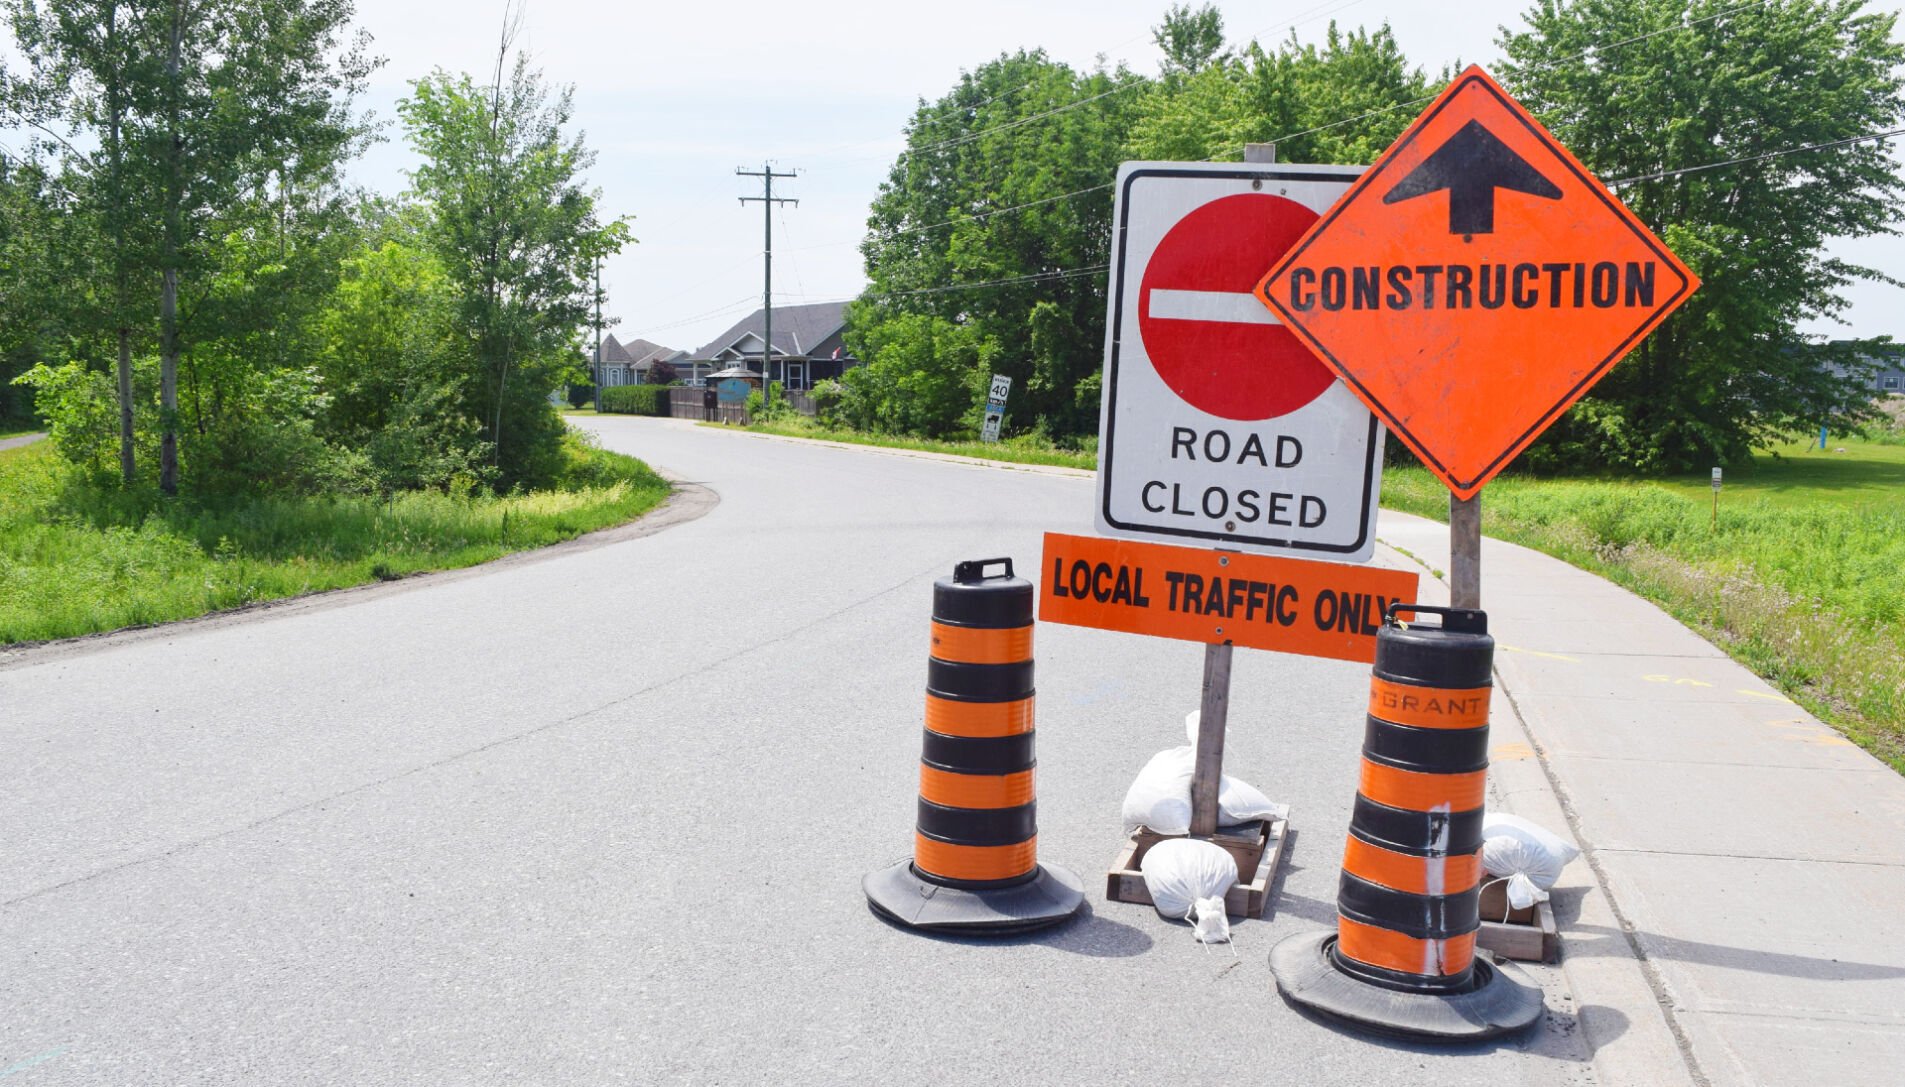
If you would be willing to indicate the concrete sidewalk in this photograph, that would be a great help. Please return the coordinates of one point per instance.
(19, 440)
(1743, 863)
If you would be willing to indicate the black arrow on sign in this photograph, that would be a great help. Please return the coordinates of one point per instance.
(1471, 166)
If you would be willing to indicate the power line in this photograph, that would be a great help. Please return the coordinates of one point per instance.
(744, 300)
(1760, 158)
(1033, 277)
(970, 218)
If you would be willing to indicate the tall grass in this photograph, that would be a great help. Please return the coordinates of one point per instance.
(78, 557)
(1810, 596)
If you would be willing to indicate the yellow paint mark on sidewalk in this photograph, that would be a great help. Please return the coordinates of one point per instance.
(1510, 752)
(1539, 653)
(1766, 696)
(1678, 681)
(1820, 739)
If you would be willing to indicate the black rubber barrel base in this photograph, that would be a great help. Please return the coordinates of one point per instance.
(899, 895)
(1503, 1000)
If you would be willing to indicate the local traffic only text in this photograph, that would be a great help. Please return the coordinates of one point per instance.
(1289, 605)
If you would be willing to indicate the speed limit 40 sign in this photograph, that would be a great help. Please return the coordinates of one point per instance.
(1217, 423)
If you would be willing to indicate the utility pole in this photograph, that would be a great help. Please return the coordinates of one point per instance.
(598, 336)
(767, 200)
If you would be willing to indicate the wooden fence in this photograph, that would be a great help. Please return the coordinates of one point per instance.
(685, 402)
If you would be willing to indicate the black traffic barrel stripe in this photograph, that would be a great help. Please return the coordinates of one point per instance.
(1432, 657)
(978, 826)
(1428, 750)
(979, 682)
(1425, 917)
(979, 755)
(1416, 832)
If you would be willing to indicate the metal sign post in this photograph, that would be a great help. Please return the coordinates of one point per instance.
(1465, 551)
(996, 393)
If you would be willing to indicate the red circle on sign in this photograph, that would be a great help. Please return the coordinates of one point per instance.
(1210, 340)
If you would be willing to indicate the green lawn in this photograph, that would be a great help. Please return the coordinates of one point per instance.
(1802, 578)
(80, 558)
(1798, 475)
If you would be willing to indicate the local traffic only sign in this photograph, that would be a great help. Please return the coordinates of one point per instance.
(1318, 609)
(1218, 424)
(1474, 283)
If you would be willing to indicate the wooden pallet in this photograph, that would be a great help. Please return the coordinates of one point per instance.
(1526, 934)
(1257, 848)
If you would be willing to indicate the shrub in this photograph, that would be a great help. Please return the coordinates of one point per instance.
(636, 400)
(581, 395)
(827, 397)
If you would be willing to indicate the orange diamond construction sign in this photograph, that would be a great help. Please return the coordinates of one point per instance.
(1474, 283)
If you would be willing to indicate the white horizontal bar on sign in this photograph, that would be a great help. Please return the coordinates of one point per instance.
(1226, 306)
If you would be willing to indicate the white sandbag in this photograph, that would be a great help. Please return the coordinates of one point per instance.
(1160, 797)
(1527, 856)
(1188, 879)
(1191, 720)
(1240, 802)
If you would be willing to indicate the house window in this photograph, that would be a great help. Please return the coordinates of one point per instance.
(1889, 383)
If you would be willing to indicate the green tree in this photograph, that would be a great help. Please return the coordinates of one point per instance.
(1652, 90)
(388, 364)
(92, 63)
(996, 220)
(923, 376)
(1190, 40)
(197, 110)
(1341, 102)
(518, 235)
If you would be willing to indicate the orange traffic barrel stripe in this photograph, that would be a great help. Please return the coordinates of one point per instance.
(1411, 790)
(1428, 707)
(974, 790)
(978, 720)
(978, 645)
(974, 862)
(1404, 954)
(1406, 872)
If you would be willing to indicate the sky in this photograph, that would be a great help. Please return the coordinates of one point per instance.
(675, 97)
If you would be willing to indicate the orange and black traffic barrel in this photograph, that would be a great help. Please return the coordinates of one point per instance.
(1402, 960)
(975, 843)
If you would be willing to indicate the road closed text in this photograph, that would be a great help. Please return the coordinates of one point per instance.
(1253, 499)
(1288, 605)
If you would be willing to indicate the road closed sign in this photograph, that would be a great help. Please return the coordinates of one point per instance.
(1218, 424)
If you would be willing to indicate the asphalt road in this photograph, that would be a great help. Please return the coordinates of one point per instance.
(604, 818)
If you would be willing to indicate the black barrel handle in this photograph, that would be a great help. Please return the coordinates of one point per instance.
(1454, 620)
(967, 572)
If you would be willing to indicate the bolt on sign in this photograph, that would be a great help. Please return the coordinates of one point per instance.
(1218, 425)
(1474, 283)
(1318, 609)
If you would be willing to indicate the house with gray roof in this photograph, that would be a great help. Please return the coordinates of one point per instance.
(807, 346)
(630, 363)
